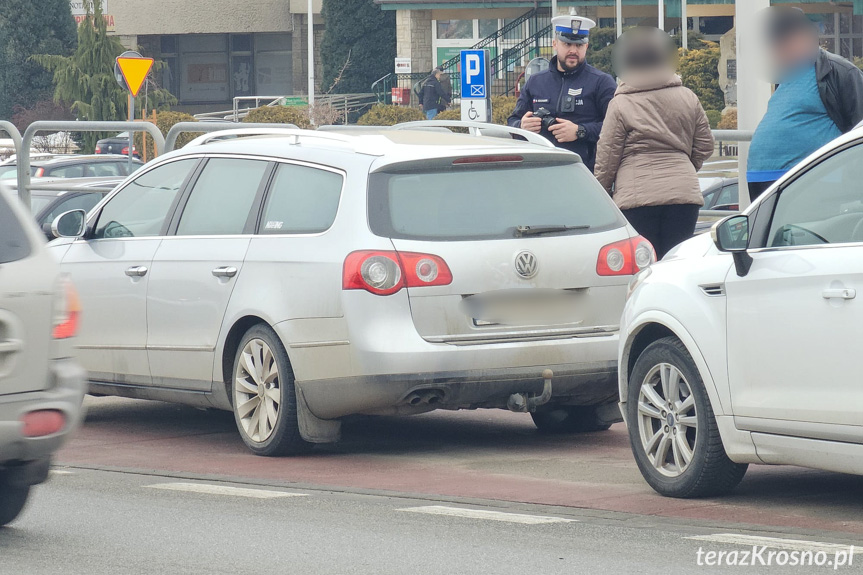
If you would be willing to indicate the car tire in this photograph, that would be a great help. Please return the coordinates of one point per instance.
(568, 419)
(676, 443)
(13, 498)
(262, 384)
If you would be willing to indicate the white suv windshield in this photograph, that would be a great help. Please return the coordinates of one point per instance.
(476, 203)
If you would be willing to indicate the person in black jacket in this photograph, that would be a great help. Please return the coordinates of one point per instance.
(435, 98)
(571, 94)
(819, 97)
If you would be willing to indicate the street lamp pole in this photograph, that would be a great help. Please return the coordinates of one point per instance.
(684, 26)
(618, 16)
(311, 63)
(553, 8)
(661, 15)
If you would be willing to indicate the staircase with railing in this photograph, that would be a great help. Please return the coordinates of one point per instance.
(511, 48)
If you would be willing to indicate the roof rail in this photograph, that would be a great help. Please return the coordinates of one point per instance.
(287, 130)
(478, 129)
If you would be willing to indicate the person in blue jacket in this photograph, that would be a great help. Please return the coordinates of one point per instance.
(567, 102)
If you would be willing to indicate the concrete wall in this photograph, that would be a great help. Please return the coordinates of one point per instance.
(142, 17)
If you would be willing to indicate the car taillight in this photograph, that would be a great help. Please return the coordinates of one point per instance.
(67, 311)
(98, 149)
(43, 422)
(625, 258)
(386, 272)
(39, 172)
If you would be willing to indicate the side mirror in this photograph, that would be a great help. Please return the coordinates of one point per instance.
(69, 224)
(731, 235)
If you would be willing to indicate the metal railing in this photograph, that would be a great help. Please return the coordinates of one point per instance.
(14, 134)
(23, 156)
(509, 64)
(345, 103)
(509, 39)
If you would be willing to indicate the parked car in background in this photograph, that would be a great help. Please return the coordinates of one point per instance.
(719, 194)
(741, 347)
(56, 196)
(299, 277)
(118, 144)
(76, 167)
(41, 385)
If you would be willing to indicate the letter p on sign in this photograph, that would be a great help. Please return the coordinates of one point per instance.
(474, 67)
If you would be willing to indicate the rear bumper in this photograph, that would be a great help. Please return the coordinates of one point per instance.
(580, 384)
(28, 456)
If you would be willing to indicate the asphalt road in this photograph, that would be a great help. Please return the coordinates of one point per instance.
(484, 455)
(97, 522)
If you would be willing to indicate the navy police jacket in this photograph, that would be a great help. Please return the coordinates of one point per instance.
(580, 96)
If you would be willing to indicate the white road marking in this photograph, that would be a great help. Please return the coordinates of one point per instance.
(489, 515)
(775, 543)
(209, 489)
(60, 472)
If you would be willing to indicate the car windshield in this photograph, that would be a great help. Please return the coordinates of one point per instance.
(483, 203)
(38, 203)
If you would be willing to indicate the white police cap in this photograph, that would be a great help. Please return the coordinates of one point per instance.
(572, 29)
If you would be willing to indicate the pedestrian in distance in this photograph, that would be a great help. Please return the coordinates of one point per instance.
(655, 138)
(567, 102)
(435, 98)
(819, 97)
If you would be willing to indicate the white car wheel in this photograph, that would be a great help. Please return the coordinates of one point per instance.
(672, 429)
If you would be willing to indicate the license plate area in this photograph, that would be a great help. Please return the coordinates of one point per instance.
(526, 307)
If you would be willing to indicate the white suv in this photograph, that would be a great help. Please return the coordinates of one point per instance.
(298, 277)
(744, 350)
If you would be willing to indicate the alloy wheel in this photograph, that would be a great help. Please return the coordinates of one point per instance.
(667, 420)
(257, 393)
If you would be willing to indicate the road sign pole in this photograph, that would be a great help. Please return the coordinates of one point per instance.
(131, 133)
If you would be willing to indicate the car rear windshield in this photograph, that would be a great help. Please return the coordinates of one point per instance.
(454, 203)
(14, 244)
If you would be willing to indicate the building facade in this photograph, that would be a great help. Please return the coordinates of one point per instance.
(216, 51)
(430, 32)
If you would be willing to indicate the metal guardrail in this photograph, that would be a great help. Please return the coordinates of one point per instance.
(23, 161)
(14, 134)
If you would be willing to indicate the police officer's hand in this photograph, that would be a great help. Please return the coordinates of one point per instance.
(564, 131)
(531, 123)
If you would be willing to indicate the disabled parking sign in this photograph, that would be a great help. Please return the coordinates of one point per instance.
(475, 83)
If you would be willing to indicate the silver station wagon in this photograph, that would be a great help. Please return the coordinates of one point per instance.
(297, 277)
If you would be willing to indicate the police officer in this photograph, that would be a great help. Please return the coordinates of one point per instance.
(571, 91)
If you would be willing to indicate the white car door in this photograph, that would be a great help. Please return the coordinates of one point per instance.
(111, 271)
(196, 268)
(795, 321)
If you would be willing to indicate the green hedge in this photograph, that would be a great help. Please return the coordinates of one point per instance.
(381, 115)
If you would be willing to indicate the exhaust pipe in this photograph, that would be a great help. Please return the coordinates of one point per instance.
(523, 403)
(425, 397)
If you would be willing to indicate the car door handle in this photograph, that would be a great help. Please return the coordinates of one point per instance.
(225, 272)
(136, 271)
(841, 293)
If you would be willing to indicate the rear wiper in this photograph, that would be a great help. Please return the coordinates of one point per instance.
(521, 231)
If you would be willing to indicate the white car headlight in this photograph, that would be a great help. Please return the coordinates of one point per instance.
(637, 280)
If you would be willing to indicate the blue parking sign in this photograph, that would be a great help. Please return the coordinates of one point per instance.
(474, 74)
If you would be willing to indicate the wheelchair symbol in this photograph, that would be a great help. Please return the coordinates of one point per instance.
(472, 113)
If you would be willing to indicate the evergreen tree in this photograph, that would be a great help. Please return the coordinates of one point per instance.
(30, 27)
(358, 47)
(86, 79)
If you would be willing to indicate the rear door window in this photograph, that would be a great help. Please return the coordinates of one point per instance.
(141, 208)
(476, 203)
(221, 201)
(14, 244)
(302, 200)
(102, 169)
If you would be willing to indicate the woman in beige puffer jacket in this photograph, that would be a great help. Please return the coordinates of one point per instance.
(654, 139)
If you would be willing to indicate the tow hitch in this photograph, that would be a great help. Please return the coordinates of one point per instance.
(522, 402)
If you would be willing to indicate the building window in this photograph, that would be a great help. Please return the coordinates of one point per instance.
(455, 29)
(273, 65)
(204, 74)
(488, 26)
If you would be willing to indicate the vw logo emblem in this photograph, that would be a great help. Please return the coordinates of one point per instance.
(526, 265)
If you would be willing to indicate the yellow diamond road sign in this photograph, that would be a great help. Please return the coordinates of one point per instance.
(134, 71)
